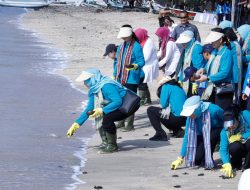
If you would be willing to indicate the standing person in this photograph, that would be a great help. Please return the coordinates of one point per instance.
(169, 23)
(228, 10)
(235, 143)
(237, 62)
(161, 16)
(128, 66)
(203, 126)
(220, 11)
(172, 98)
(192, 56)
(218, 72)
(169, 53)
(101, 90)
(150, 69)
(185, 25)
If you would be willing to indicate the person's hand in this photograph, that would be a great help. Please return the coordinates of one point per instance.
(132, 67)
(235, 138)
(97, 112)
(194, 88)
(177, 163)
(244, 97)
(200, 72)
(227, 170)
(180, 83)
(73, 129)
(202, 78)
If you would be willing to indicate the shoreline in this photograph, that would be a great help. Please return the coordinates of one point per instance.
(83, 33)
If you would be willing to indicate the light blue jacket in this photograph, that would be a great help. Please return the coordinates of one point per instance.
(198, 60)
(246, 57)
(225, 69)
(246, 79)
(235, 62)
(216, 114)
(224, 143)
(136, 58)
(174, 96)
(112, 94)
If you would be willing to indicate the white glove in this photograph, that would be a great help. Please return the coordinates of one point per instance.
(165, 113)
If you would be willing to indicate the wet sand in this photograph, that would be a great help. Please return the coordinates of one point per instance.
(140, 164)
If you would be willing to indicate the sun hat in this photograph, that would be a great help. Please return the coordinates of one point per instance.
(189, 72)
(244, 31)
(213, 37)
(185, 37)
(110, 48)
(190, 105)
(125, 32)
(84, 76)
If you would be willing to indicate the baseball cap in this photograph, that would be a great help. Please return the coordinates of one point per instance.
(189, 72)
(109, 49)
(207, 48)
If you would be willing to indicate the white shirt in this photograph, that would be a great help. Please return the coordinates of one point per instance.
(150, 69)
(171, 58)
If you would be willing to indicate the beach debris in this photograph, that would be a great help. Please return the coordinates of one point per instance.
(98, 187)
(73, 113)
(185, 173)
(60, 166)
(175, 176)
(84, 172)
(83, 27)
(201, 174)
(146, 135)
(53, 135)
(119, 137)
(177, 186)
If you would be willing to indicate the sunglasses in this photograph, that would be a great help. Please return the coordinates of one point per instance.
(183, 17)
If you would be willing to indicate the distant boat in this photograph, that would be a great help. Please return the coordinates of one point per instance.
(25, 3)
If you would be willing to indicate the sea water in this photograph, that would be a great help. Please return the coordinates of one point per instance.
(36, 109)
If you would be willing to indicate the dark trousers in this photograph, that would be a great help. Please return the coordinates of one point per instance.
(109, 119)
(220, 18)
(222, 100)
(173, 123)
(132, 87)
(228, 17)
(200, 150)
(238, 151)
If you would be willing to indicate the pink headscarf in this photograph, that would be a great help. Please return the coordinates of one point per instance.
(142, 35)
(163, 33)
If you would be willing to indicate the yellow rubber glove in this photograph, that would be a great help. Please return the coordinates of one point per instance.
(97, 112)
(180, 83)
(177, 163)
(113, 77)
(135, 67)
(227, 170)
(73, 129)
(235, 138)
(194, 88)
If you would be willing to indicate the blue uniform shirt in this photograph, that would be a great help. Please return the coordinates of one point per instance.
(198, 60)
(224, 73)
(224, 143)
(235, 62)
(174, 96)
(112, 94)
(136, 58)
(216, 114)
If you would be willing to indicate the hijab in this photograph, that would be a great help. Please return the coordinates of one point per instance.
(142, 35)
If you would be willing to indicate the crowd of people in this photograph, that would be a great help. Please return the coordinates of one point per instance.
(205, 88)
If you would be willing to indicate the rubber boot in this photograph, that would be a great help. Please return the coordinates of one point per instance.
(120, 124)
(129, 124)
(147, 100)
(142, 94)
(112, 144)
(104, 139)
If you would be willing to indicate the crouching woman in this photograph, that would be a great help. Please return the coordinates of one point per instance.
(202, 133)
(235, 143)
(105, 98)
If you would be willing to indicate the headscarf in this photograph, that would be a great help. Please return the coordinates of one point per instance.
(142, 35)
(163, 33)
(244, 31)
(97, 81)
(226, 24)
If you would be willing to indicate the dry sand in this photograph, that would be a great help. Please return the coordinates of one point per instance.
(83, 33)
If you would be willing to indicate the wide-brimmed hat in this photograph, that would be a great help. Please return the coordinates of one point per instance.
(185, 37)
(84, 76)
(125, 32)
(190, 105)
(213, 37)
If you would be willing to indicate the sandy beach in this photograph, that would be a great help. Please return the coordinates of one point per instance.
(83, 33)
